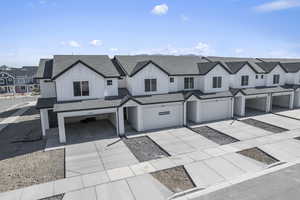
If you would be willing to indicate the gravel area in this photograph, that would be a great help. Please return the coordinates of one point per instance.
(214, 135)
(264, 125)
(22, 160)
(259, 155)
(56, 197)
(176, 179)
(30, 169)
(144, 148)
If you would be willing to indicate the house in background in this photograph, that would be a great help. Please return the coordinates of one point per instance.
(160, 91)
(18, 80)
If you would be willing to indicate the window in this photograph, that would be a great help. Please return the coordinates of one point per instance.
(188, 83)
(262, 76)
(171, 80)
(276, 78)
(109, 82)
(150, 85)
(81, 88)
(2, 81)
(256, 76)
(217, 82)
(245, 80)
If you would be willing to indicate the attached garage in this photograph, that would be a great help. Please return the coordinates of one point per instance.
(215, 109)
(161, 116)
(256, 103)
(282, 101)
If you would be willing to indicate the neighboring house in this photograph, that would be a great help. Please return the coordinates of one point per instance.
(152, 92)
(18, 80)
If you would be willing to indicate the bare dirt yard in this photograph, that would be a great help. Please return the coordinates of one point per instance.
(22, 159)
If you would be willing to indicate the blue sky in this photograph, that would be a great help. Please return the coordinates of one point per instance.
(31, 29)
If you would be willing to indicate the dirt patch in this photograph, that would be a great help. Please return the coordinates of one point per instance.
(30, 169)
(259, 155)
(214, 135)
(56, 197)
(176, 179)
(264, 125)
(144, 148)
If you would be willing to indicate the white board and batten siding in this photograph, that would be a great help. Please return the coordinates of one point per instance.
(136, 84)
(276, 70)
(97, 84)
(236, 79)
(206, 82)
(47, 88)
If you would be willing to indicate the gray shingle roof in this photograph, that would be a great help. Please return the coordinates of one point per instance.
(174, 65)
(265, 90)
(160, 98)
(252, 61)
(45, 102)
(205, 67)
(214, 95)
(238, 65)
(45, 69)
(99, 63)
(291, 67)
(268, 66)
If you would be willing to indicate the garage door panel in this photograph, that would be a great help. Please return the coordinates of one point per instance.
(162, 117)
(215, 110)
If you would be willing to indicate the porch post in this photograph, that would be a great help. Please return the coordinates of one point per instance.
(121, 121)
(291, 103)
(184, 113)
(243, 106)
(61, 128)
(269, 103)
(140, 118)
(44, 121)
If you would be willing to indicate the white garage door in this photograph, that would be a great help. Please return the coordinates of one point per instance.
(215, 110)
(162, 116)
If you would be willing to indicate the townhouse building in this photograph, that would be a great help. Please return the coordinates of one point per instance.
(149, 92)
(18, 80)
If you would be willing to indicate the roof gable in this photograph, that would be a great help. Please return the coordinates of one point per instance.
(98, 63)
(141, 65)
(270, 66)
(235, 67)
(205, 67)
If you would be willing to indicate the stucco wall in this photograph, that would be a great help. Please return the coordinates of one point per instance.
(236, 79)
(208, 80)
(276, 70)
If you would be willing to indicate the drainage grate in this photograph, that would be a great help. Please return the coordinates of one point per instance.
(259, 155)
(176, 179)
(214, 135)
(144, 148)
(55, 197)
(264, 125)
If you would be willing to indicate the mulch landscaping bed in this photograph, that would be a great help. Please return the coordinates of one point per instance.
(144, 148)
(176, 179)
(259, 155)
(56, 197)
(214, 135)
(264, 125)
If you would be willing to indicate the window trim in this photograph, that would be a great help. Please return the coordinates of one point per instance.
(189, 83)
(275, 79)
(81, 93)
(244, 80)
(109, 82)
(218, 82)
(152, 84)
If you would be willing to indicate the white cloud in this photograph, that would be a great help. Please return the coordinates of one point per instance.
(160, 9)
(184, 18)
(114, 49)
(239, 51)
(199, 49)
(96, 43)
(71, 43)
(278, 5)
